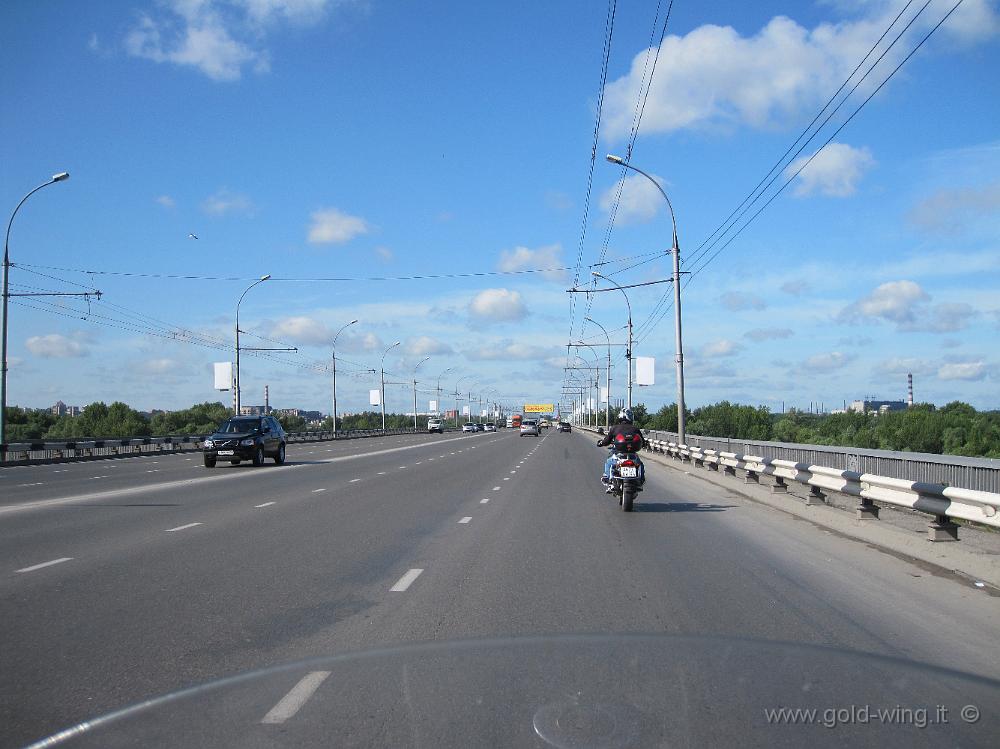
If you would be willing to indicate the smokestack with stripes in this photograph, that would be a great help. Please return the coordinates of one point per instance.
(909, 390)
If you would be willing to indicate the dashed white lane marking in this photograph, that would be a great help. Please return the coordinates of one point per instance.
(153, 470)
(465, 519)
(292, 702)
(420, 461)
(98, 477)
(496, 488)
(484, 501)
(317, 491)
(405, 581)
(37, 484)
(188, 458)
(62, 471)
(266, 504)
(381, 473)
(45, 564)
(401, 467)
(182, 527)
(506, 478)
(353, 481)
(513, 471)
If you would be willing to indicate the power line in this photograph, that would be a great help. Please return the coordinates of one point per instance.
(787, 182)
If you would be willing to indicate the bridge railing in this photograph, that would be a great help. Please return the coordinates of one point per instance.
(917, 481)
(49, 451)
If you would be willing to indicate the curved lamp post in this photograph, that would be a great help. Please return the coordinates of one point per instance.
(236, 388)
(62, 176)
(459, 380)
(439, 409)
(333, 356)
(607, 418)
(676, 250)
(415, 391)
(628, 349)
(382, 370)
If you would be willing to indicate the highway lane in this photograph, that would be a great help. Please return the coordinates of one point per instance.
(511, 537)
(34, 482)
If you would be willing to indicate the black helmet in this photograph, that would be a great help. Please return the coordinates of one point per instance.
(625, 415)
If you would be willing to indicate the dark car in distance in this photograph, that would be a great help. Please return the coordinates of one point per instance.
(564, 426)
(246, 438)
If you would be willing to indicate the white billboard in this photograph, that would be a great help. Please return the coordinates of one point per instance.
(465, 411)
(373, 398)
(644, 366)
(604, 395)
(223, 375)
(432, 407)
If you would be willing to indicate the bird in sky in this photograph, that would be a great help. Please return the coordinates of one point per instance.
(192, 236)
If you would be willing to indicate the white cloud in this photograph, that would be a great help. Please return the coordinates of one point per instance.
(523, 258)
(384, 255)
(55, 346)
(796, 287)
(766, 334)
(721, 348)
(828, 362)
(301, 330)
(509, 351)
(947, 318)
(426, 346)
(331, 226)
(498, 304)
(736, 301)
(963, 371)
(558, 201)
(160, 366)
(199, 39)
(938, 263)
(895, 301)
(225, 203)
(714, 77)
(166, 201)
(905, 365)
(950, 210)
(834, 171)
(640, 200)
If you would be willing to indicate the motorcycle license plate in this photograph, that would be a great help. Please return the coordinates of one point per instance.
(225, 452)
(628, 472)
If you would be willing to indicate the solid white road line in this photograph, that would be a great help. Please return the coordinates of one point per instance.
(182, 527)
(266, 504)
(465, 519)
(405, 581)
(45, 564)
(292, 702)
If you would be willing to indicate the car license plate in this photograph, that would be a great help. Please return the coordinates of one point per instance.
(225, 452)
(628, 472)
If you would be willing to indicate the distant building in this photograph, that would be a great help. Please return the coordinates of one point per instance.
(61, 409)
(876, 406)
(251, 410)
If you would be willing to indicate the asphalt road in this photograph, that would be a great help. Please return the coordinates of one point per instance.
(121, 583)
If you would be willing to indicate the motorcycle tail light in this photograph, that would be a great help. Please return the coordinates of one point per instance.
(628, 462)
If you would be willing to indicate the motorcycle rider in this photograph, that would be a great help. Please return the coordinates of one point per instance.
(627, 429)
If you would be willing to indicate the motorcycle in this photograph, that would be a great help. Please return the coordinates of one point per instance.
(625, 472)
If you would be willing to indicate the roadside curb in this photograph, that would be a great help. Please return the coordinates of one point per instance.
(981, 566)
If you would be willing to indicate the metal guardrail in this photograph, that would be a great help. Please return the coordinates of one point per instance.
(20, 453)
(980, 474)
(939, 499)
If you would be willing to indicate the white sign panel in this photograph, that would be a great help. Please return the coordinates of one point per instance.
(432, 407)
(223, 375)
(373, 397)
(483, 414)
(465, 411)
(604, 395)
(644, 366)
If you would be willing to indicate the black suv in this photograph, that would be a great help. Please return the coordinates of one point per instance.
(246, 438)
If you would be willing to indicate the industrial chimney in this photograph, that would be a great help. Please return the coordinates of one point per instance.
(909, 390)
(267, 400)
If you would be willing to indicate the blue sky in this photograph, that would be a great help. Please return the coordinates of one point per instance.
(315, 139)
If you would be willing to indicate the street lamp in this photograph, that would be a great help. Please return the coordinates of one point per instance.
(628, 349)
(6, 295)
(459, 380)
(236, 389)
(607, 418)
(439, 409)
(415, 391)
(382, 370)
(676, 250)
(597, 360)
(333, 356)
